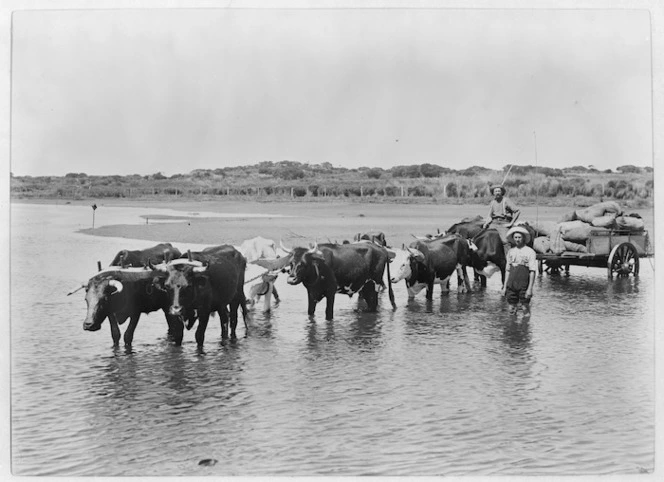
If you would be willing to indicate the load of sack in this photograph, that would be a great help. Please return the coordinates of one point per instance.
(572, 231)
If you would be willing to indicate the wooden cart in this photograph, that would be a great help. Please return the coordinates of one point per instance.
(617, 251)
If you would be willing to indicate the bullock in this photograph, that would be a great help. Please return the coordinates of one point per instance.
(139, 258)
(468, 227)
(461, 248)
(210, 282)
(487, 254)
(327, 269)
(257, 248)
(432, 261)
(121, 293)
(377, 237)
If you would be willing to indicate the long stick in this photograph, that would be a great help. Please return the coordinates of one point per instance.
(506, 174)
(537, 180)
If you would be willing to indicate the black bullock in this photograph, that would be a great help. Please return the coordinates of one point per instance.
(429, 262)
(487, 249)
(468, 227)
(118, 294)
(377, 237)
(212, 281)
(327, 269)
(139, 258)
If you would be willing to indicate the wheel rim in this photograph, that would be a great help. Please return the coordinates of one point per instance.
(624, 261)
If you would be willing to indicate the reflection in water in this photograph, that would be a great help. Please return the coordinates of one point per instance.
(366, 329)
(516, 334)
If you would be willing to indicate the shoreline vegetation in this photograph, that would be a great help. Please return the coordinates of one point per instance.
(289, 181)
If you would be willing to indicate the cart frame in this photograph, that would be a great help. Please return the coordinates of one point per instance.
(617, 251)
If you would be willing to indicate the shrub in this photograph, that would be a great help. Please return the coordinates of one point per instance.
(374, 173)
(431, 170)
(290, 173)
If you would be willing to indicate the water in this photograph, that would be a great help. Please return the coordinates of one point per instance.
(450, 387)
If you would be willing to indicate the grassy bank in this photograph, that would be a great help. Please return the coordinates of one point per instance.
(289, 181)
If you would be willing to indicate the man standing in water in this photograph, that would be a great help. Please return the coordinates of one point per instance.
(503, 213)
(520, 270)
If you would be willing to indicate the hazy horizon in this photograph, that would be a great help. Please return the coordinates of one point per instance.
(141, 91)
(498, 169)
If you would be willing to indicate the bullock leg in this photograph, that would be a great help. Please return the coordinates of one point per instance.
(275, 294)
(234, 306)
(115, 330)
(463, 283)
(390, 291)
(200, 329)
(368, 292)
(429, 294)
(311, 309)
(129, 332)
(223, 319)
(176, 330)
(329, 307)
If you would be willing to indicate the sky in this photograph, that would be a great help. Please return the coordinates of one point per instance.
(172, 90)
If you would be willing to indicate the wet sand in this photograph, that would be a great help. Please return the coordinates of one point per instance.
(306, 222)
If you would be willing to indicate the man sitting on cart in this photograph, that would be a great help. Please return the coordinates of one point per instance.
(503, 213)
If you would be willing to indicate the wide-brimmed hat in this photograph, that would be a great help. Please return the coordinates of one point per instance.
(502, 189)
(518, 229)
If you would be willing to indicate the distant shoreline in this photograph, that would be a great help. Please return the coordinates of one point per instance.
(320, 221)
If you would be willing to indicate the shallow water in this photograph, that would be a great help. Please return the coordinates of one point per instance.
(455, 386)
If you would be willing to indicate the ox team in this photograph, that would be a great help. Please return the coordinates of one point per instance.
(189, 287)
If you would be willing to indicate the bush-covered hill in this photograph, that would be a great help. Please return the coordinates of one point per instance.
(413, 183)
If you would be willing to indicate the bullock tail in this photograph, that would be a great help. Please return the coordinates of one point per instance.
(389, 286)
(245, 313)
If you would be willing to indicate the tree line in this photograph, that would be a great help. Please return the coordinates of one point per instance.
(290, 179)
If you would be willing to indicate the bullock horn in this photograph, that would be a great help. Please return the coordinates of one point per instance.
(77, 289)
(98, 265)
(115, 284)
(313, 247)
(420, 238)
(416, 253)
(281, 245)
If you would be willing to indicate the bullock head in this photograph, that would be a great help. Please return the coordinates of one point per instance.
(181, 280)
(99, 294)
(109, 293)
(304, 264)
(407, 262)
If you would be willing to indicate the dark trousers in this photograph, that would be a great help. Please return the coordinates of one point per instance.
(517, 285)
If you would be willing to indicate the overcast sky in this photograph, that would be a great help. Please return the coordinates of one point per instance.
(145, 91)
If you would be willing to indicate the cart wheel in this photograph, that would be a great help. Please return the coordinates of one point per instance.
(623, 260)
(540, 266)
